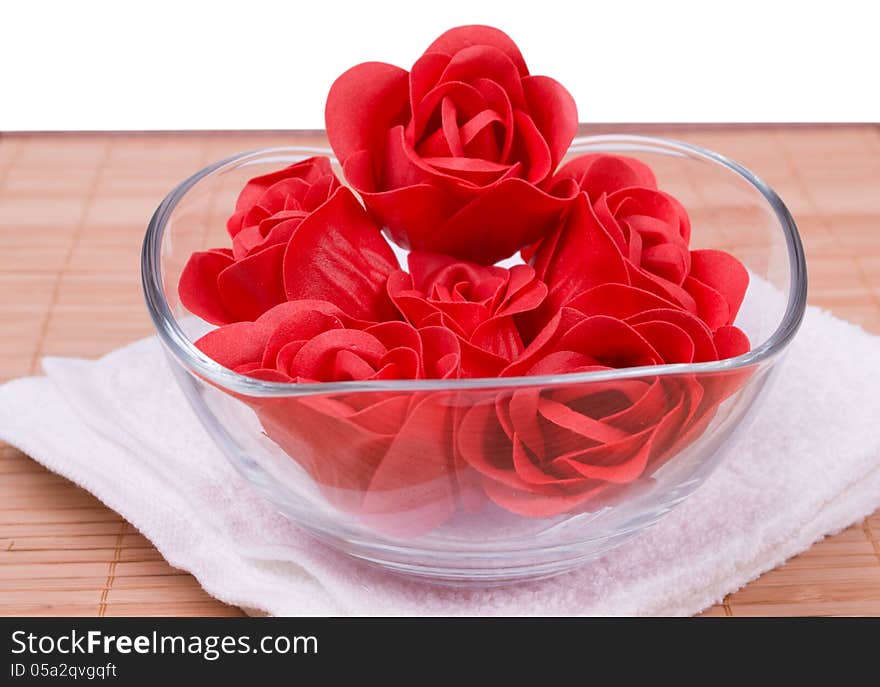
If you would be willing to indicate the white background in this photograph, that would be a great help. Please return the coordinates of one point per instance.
(268, 65)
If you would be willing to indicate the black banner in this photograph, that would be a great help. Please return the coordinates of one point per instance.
(136, 650)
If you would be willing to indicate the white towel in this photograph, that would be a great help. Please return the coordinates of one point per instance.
(808, 466)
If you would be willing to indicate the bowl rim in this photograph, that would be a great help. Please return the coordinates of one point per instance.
(185, 351)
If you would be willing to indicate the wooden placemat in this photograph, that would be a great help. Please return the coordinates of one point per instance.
(73, 209)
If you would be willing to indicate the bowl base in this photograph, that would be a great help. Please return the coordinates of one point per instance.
(470, 572)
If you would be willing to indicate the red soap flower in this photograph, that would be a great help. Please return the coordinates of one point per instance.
(652, 227)
(333, 252)
(480, 304)
(307, 341)
(385, 455)
(452, 155)
(271, 206)
(652, 231)
(543, 451)
(224, 285)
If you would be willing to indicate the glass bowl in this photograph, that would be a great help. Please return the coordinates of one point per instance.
(489, 480)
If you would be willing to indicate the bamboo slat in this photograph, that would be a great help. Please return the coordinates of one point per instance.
(73, 208)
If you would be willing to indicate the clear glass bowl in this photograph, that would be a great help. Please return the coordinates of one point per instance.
(426, 478)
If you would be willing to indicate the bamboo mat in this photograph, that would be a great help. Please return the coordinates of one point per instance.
(73, 208)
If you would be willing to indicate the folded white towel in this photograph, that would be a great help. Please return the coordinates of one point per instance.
(808, 466)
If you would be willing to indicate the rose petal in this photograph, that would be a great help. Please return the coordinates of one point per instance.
(424, 267)
(338, 255)
(449, 117)
(466, 178)
(478, 172)
(486, 62)
(630, 244)
(617, 300)
(400, 363)
(655, 204)
(411, 490)
(243, 343)
(197, 287)
(480, 135)
(564, 362)
(476, 362)
(320, 191)
(284, 194)
(302, 324)
(554, 113)
(731, 342)
(441, 353)
(662, 287)
(544, 342)
(363, 104)
(277, 229)
(282, 359)
(263, 374)
(712, 308)
(671, 341)
(484, 446)
(498, 102)
(310, 170)
(704, 348)
(667, 260)
(561, 415)
(396, 335)
(524, 292)
(612, 342)
(522, 408)
(498, 336)
(526, 467)
(339, 454)
(579, 256)
(450, 42)
(724, 273)
(491, 227)
(348, 366)
(464, 97)
(251, 286)
(603, 399)
(530, 149)
(481, 442)
(618, 462)
(234, 345)
(687, 394)
(423, 77)
(411, 215)
(600, 173)
(318, 359)
(381, 411)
